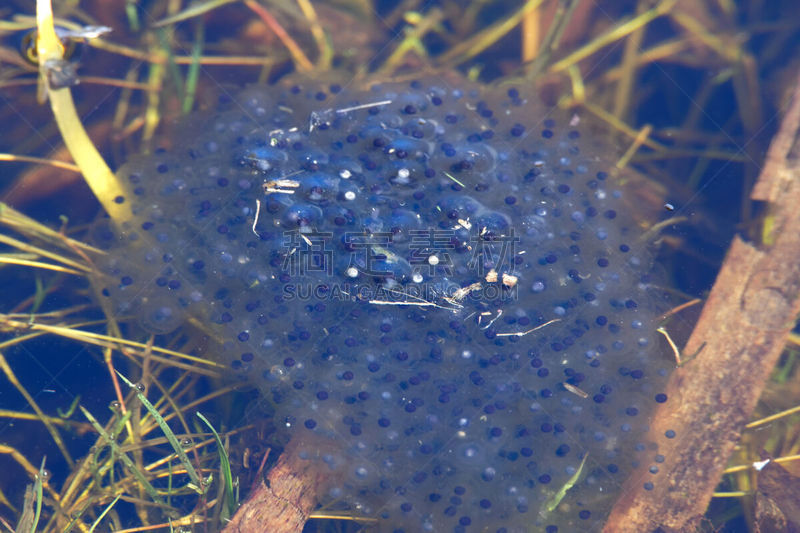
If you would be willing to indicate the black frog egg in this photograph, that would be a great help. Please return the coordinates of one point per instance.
(461, 206)
(492, 224)
(161, 314)
(405, 225)
(302, 216)
(320, 187)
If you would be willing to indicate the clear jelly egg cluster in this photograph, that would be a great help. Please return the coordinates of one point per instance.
(438, 286)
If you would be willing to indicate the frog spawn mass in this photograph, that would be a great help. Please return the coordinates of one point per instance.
(439, 288)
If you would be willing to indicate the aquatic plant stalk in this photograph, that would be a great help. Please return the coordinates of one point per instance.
(98, 175)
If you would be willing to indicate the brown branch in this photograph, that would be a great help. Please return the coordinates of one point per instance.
(283, 502)
(742, 331)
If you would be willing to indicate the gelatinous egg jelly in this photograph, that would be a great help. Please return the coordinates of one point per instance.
(441, 284)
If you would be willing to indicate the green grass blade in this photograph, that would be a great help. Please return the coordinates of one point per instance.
(172, 66)
(225, 468)
(71, 410)
(191, 12)
(194, 68)
(103, 514)
(149, 489)
(197, 483)
(38, 488)
(553, 502)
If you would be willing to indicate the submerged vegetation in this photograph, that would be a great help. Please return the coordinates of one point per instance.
(112, 428)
